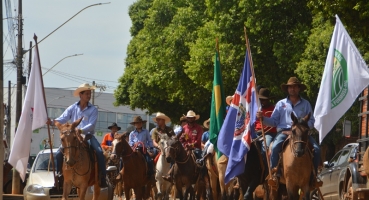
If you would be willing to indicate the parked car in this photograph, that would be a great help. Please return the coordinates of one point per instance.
(334, 175)
(40, 183)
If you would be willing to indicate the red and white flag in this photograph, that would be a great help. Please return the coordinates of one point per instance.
(34, 116)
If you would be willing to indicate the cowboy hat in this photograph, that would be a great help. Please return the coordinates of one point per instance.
(191, 113)
(206, 123)
(114, 125)
(183, 119)
(160, 115)
(229, 99)
(293, 81)
(137, 119)
(264, 93)
(82, 88)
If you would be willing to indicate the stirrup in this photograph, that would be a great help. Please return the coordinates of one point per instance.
(273, 182)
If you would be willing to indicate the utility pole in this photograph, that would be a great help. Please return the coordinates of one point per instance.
(9, 118)
(29, 60)
(1, 103)
(93, 94)
(16, 178)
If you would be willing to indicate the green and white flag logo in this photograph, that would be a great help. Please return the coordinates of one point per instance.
(340, 79)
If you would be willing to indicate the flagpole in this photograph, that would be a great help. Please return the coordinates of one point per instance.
(257, 97)
(48, 126)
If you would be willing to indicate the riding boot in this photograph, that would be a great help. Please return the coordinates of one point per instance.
(169, 177)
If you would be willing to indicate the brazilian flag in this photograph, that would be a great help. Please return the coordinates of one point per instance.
(218, 105)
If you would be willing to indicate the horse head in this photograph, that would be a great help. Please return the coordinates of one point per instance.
(70, 141)
(163, 143)
(120, 148)
(299, 136)
(173, 148)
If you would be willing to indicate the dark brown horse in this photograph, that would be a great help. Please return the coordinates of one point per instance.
(134, 172)
(78, 169)
(185, 169)
(297, 159)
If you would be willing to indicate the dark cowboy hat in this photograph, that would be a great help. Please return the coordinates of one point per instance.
(137, 119)
(114, 125)
(293, 81)
(264, 93)
(183, 119)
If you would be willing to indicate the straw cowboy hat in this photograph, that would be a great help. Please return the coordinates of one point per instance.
(229, 99)
(293, 81)
(206, 123)
(82, 88)
(114, 125)
(137, 119)
(264, 93)
(191, 113)
(160, 115)
(183, 119)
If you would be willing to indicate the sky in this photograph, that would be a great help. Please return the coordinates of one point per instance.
(100, 33)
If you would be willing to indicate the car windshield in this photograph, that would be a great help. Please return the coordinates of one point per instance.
(43, 162)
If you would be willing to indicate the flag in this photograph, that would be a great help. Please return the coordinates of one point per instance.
(345, 77)
(218, 107)
(33, 116)
(238, 129)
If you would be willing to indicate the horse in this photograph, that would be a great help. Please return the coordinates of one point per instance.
(185, 169)
(78, 169)
(162, 167)
(255, 171)
(111, 175)
(134, 172)
(297, 160)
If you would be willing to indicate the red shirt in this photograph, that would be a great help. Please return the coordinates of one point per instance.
(191, 135)
(267, 112)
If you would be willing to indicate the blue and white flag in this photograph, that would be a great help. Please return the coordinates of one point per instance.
(238, 128)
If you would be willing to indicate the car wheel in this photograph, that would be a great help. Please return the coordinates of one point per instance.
(350, 194)
(314, 195)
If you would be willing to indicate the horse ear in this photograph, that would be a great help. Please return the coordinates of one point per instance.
(77, 122)
(57, 124)
(294, 119)
(307, 117)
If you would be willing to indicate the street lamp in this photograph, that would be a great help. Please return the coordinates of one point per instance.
(62, 60)
(97, 4)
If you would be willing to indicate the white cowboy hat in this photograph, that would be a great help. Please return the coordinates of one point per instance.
(191, 113)
(82, 88)
(160, 115)
(229, 99)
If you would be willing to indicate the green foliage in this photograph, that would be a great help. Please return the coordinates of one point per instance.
(169, 64)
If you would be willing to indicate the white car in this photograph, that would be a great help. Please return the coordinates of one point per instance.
(40, 183)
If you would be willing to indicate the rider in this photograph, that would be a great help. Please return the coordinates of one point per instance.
(161, 120)
(190, 138)
(183, 122)
(109, 137)
(267, 109)
(141, 134)
(281, 118)
(83, 108)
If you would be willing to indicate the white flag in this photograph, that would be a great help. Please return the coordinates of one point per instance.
(34, 116)
(345, 77)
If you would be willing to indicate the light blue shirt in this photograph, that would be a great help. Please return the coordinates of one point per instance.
(281, 116)
(74, 112)
(143, 136)
(178, 130)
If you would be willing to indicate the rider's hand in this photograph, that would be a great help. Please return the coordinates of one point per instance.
(259, 115)
(87, 137)
(49, 122)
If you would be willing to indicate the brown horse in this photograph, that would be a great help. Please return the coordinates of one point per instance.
(134, 172)
(185, 169)
(78, 169)
(297, 159)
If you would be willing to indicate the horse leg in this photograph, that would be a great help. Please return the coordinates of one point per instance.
(96, 191)
(82, 193)
(250, 190)
(127, 193)
(179, 190)
(292, 191)
(66, 189)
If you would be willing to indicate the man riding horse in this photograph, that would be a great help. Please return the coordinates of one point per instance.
(109, 137)
(161, 120)
(88, 112)
(281, 118)
(190, 137)
(141, 138)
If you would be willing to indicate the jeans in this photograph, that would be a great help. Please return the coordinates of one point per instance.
(150, 164)
(277, 148)
(269, 137)
(99, 155)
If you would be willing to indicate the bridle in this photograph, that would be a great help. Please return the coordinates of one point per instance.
(293, 144)
(175, 154)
